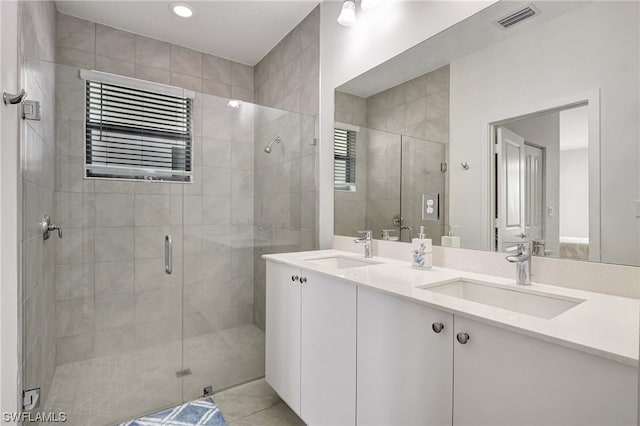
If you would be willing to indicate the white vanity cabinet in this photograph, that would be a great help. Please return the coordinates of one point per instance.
(506, 378)
(311, 344)
(409, 370)
(282, 343)
(405, 362)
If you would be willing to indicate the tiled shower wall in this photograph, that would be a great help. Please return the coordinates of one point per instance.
(112, 292)
(286, 205)
(350, 207)
(418, 110)
(37, 169)
(287, 77)
(84, 44)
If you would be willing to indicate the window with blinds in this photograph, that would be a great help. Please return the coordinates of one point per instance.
(344, 147)
(137, 134)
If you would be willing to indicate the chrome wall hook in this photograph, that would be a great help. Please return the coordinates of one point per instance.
(465, 165)
(11, 99)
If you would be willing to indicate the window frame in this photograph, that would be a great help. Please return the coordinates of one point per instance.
(141, 173)
(348, 185)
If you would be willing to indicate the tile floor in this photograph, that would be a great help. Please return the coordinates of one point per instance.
(115, 388)
(255, 404)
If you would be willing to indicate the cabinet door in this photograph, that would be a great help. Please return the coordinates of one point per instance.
(328, 395)
(504, 378)
(282, 345)
(405, 368)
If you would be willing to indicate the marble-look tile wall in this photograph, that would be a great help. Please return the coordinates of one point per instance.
(37, 171)
(287, 77)
(286, 203)
(422, 173)
(84, 44)
(111, 289)
(112, 292)
(383, 181)
(419, 110)
(350, 206)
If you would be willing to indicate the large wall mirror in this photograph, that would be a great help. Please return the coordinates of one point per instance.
(521, 123)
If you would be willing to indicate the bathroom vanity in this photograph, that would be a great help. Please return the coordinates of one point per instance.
(362, 341)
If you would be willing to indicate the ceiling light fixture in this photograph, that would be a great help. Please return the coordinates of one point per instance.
(348, 14)
(182, 10)
(233, 104)
(370, 4)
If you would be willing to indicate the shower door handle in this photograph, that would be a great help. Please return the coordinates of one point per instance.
(168, 255)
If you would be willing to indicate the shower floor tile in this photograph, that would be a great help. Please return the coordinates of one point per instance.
(114, 388)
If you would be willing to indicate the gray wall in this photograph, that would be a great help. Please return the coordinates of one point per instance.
(101, 289)
(37, 170)
(419, 110)
(112, 292)
(84, 44)
(286, 188)
(287, 77)
(350, 210)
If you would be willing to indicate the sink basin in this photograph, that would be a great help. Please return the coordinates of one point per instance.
(342, 262)
(521, 301)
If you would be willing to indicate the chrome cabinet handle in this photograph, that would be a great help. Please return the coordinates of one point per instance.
(303, 280)
(463, 338)
(168, 255)
(294, 278)
(437, 327)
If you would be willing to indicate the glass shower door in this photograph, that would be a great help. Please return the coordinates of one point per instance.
(257, 195)
(102, 315)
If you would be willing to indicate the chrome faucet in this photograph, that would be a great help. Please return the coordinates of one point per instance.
(366, 239)
(522, 259)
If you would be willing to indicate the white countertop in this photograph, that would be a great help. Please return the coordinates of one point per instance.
(602, 325)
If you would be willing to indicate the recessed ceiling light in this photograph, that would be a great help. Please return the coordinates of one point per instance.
(182, 10)
(233, 104)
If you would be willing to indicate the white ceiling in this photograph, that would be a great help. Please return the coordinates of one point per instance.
(242, 31)
(464, 38)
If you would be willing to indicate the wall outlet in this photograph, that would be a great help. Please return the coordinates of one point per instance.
(431, 206)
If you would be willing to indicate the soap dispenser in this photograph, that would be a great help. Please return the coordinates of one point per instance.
(451, 240)
(422, 251)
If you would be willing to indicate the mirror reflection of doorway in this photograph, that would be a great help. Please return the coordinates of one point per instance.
(541, 183)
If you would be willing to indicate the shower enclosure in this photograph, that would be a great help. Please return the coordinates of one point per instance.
(108, 333)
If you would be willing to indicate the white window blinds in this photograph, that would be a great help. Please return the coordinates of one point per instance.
(344, 147)
(135, 133)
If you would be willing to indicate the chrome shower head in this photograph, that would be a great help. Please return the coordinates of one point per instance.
(267, 148)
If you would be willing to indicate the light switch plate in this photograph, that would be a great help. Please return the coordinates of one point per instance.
(431, 206)
(637, 208)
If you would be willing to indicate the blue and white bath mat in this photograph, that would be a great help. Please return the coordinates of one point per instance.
(202, 412)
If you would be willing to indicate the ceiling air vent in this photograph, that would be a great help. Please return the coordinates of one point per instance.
(518, 16)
